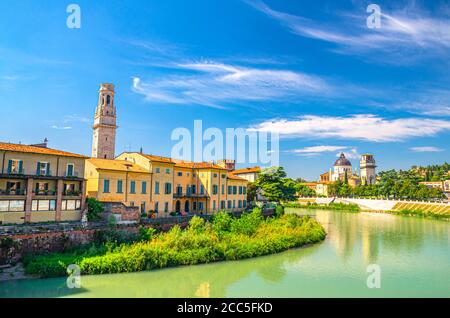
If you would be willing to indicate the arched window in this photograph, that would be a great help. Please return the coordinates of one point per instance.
(108, 99)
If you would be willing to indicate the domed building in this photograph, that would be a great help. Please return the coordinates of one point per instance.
(342, 168)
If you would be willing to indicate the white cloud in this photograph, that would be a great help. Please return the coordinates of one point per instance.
(426, 149)
(359, 127)
(400, 34)
(61, 127)
(351, 154)
(215, 84)
(318, 149)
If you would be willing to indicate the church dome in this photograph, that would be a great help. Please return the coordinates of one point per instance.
(342, 161)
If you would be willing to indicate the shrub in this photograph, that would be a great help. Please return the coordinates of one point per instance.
(279, 210)
(95, 208)
(226, 238)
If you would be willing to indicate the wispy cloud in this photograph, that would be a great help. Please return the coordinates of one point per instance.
(315, 150)
(350, 154)
(426, 149)
(215, 84)
(400, 33)
(61, 127)
(357, 127)
(77, 118)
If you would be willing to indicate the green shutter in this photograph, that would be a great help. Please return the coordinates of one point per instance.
(10, 166)
(48, 169)
(20, 167)
(37, 168)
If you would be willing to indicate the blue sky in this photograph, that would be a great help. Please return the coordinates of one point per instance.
(312, 71)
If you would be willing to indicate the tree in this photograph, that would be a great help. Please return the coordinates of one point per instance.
(95, 208)
(276, 186)
(251, 192)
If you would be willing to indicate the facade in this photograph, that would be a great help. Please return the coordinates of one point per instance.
(39, 184)
(342, 169)
(249, 174)
(104, 137)
(118, 181)
(367, 169)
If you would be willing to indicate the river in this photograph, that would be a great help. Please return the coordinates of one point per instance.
(413, 255)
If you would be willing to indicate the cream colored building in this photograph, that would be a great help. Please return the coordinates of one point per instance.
(39, 184)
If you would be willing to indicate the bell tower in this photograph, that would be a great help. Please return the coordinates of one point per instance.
(104, 141)
(367, 167)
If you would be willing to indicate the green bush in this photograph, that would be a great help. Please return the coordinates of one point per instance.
(279, 210)
(95, 208)
(226, 238)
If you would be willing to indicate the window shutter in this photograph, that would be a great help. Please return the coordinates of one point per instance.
(48, 169)
(20, 167)
(10, 166)
(37, 168)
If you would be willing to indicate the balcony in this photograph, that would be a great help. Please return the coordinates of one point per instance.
(10, 192)
(178, 195)
(44, 192)
(71, 193)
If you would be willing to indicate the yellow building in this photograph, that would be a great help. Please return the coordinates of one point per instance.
(118, 181)
(189, 187)
(39, 184)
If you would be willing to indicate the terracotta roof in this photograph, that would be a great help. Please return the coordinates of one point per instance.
(37, 150)
(196, 165)
(233, 177)
(158, 158)
(116, 165)
(247, 170)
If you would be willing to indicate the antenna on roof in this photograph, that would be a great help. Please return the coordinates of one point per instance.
(141, 150)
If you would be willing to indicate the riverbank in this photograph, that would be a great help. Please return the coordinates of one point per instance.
(331, 206)
(224, 238)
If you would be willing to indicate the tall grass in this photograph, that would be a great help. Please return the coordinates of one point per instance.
(225, 238)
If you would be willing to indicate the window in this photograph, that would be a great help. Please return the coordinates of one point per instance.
(133, 187)
(12, 206)
(167, 171)
(168, 188)
(70, 169)
(180, 174)
(214, 205)
(244, 203)
(15, 166)
(157, 170)
(234, 204)
(71, 205)
(194, 175)
(222, 205)
(42, 188)
(119, 186)
(224, 176)
(43, 169)
(194, 189)
(202, 189)
(239, 204)
(215, 175)
(234, 189)
(156, 207)
(156, 187)
(200, 206)
(179, 190)
(44, 205)
(144, 187)
(245, 190)
(215, 189)
(166, 207)
(240, 189)
(230, 189)
(105, 186)
(223, 189)
(194, 206)
(229, 204)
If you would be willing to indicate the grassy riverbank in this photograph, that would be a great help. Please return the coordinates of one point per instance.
(332, 206)
(421, 213)
(225, 238)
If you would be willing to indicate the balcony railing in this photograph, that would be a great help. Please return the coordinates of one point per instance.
(13, 192)
(74, 174)
(190, 195)
(74, 193)
(44, 192)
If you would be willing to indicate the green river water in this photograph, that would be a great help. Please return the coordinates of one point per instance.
(413, 255)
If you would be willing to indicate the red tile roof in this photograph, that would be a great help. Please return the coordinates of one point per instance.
(234, 177)
(37, 150)
(247, 170)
